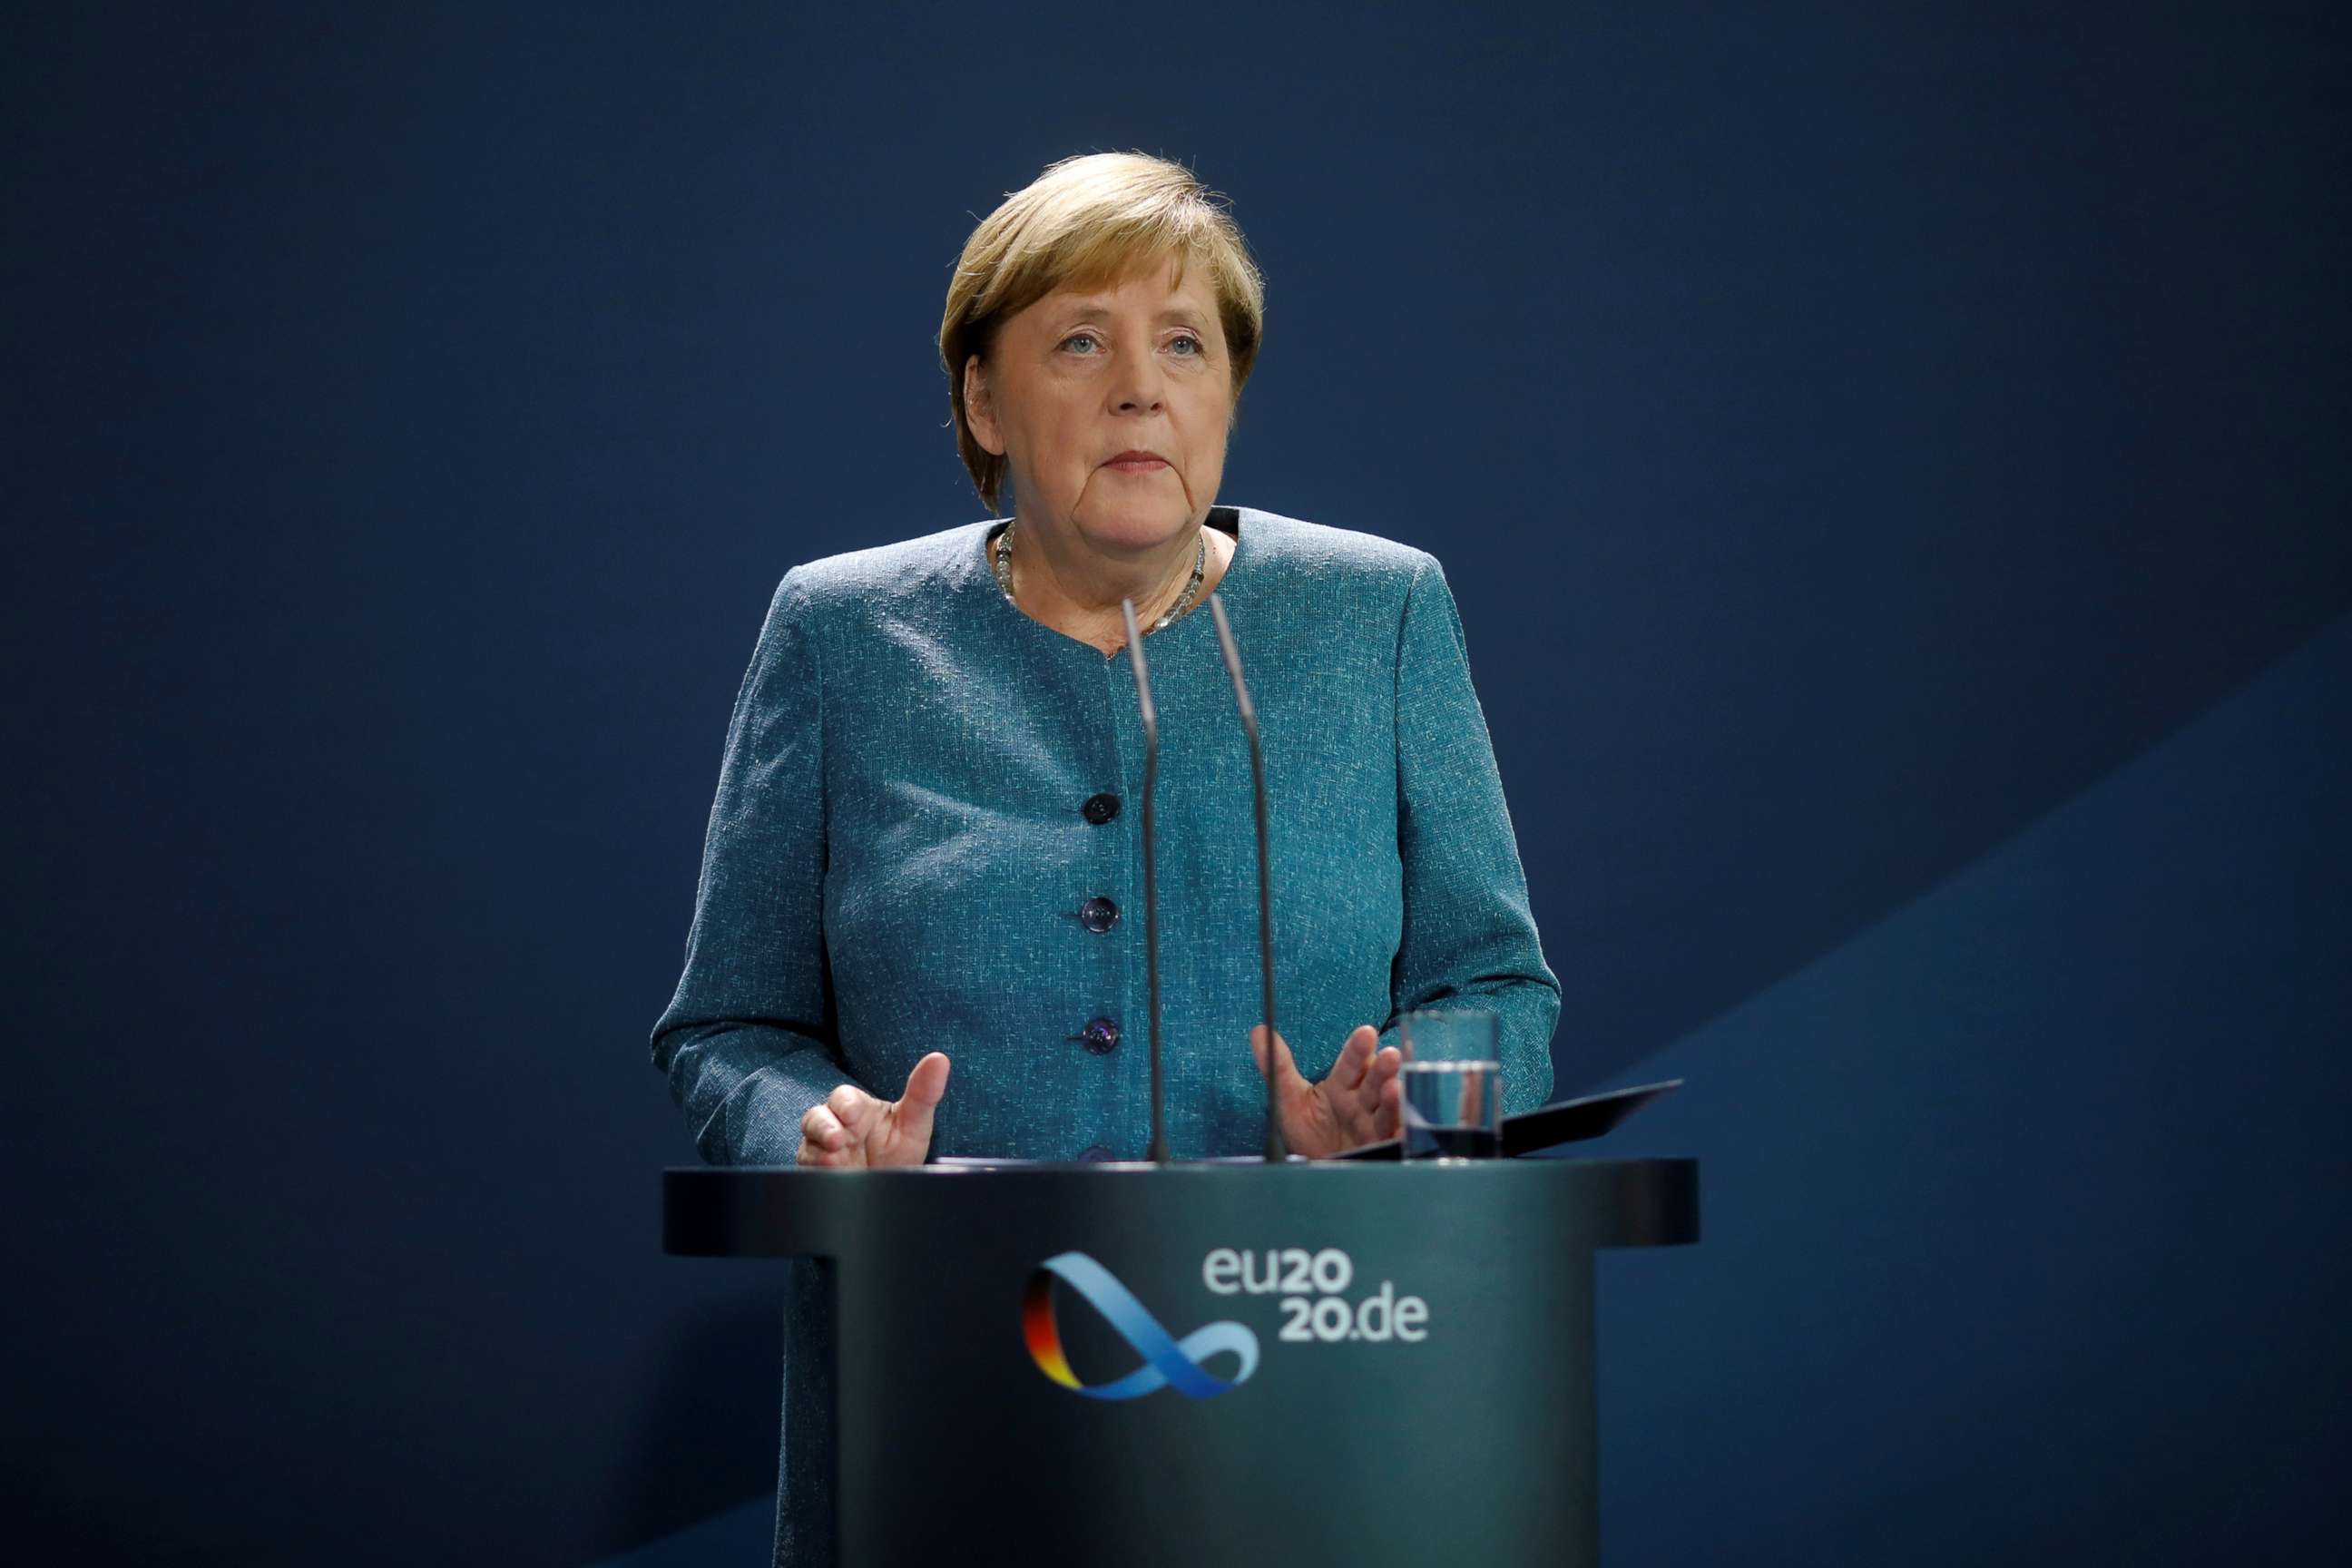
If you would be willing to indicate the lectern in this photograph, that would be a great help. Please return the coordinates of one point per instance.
(1300, 1365)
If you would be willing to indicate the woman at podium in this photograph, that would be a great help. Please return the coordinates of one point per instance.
(919, 925)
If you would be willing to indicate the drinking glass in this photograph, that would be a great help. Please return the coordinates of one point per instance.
(1452, 1079)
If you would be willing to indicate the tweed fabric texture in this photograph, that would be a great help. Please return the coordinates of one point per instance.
(898, 860)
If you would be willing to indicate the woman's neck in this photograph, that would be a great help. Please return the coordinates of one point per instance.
(1077, 592)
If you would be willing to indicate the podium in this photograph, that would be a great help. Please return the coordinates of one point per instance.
(1309, 1363)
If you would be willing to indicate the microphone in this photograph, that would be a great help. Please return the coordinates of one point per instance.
(1275, 1149)
(1158, 1154)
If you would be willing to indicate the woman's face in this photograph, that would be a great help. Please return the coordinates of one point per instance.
(1080, 377)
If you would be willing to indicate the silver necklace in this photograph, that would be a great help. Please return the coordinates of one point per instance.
(1001, 562)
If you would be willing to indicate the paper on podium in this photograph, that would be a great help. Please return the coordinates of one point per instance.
(1546, 1126)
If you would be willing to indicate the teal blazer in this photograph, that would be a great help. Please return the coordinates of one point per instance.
(927, 836)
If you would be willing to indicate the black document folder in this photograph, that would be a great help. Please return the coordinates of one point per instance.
(1546, 1126)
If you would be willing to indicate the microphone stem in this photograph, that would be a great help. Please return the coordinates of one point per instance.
(1276, 1150)
(1157, 1152)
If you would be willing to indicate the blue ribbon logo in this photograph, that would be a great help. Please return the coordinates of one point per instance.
(1166, 1361)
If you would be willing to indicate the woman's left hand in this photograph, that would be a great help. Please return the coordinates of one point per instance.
(1357, 1102)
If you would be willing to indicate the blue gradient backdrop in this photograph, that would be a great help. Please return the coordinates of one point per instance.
(1891, 461)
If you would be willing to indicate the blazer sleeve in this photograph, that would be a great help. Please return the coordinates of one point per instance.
(1468, 934)
(748, 1041)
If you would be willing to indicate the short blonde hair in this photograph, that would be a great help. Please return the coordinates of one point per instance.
(1085, 222)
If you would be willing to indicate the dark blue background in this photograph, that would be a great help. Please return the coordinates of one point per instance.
(1892, 467)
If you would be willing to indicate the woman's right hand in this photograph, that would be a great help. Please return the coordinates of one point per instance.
(852, 1129)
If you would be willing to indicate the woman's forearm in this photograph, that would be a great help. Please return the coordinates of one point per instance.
(1469, 936)
(745, 1086)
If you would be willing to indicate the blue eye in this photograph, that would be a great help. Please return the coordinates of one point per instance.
(1200, 347)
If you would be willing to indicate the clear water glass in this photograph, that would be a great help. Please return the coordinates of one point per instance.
(1453, 1079)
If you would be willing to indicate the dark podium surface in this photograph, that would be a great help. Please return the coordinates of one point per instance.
(1307, 1364)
